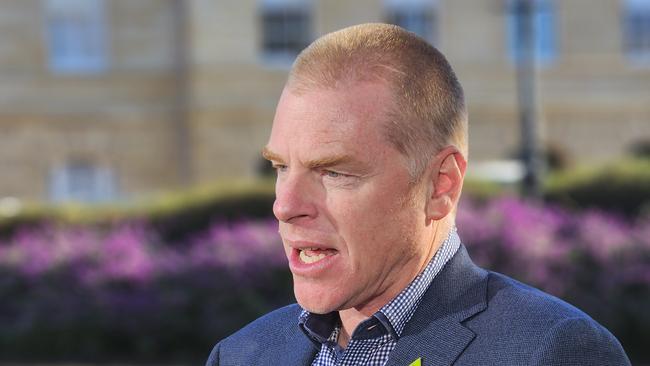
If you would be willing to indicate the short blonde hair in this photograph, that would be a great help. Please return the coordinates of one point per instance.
(430, 109)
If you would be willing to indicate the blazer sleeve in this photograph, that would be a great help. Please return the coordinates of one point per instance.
(579, 341)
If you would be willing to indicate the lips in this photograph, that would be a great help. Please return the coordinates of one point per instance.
(310, 259)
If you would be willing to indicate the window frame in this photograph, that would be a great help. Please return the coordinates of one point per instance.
(82, 181)
(636, 50)
(427, 10)
(545, 24)
(76, 39)
(284, 49)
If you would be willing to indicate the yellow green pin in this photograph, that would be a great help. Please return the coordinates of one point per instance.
(417, 362)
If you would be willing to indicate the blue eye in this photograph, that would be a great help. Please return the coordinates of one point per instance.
(338, 179)
(332, 174)
(279, 167)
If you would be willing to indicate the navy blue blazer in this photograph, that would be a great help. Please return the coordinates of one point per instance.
(468, 316)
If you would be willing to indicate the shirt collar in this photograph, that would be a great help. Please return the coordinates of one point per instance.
(321, 328)
(399, 310)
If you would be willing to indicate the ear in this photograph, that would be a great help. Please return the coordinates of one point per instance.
(446, 182)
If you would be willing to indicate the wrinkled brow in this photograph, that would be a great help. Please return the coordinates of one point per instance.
(329, 161)
(270, 155)
(312, 164)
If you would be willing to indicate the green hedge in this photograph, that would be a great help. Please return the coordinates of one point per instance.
(622, 187)
(174, 215)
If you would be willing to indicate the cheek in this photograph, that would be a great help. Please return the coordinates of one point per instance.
(371, 225)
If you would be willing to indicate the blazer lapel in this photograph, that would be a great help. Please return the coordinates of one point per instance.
(289, 346)
(435, 332)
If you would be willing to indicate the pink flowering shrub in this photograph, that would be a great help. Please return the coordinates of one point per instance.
(124, 293)
(82, 293)
(553, 248)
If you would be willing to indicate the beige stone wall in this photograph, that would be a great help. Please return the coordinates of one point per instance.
(594, 101)
(119, 118)
(131, 146)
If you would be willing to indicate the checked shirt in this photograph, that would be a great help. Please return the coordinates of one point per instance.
(374, 338)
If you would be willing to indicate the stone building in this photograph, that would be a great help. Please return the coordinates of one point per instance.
(109, 99)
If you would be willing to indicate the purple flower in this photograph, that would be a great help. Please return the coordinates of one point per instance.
(128, 254)
(239, 245)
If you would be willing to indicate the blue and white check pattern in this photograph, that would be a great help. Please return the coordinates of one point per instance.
(374, 339)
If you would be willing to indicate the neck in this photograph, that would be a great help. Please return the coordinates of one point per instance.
(350, 318)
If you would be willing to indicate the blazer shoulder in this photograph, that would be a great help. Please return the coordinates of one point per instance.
(516, 298)
(536, 327)
(579, 341)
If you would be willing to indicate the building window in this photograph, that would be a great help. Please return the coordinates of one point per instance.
(544, 32)
(82, 182)
(636, 32)
(417, 16)
(286, 28)
(76, 35)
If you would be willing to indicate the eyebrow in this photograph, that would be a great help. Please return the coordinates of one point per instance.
(325, 162)
(270, 155)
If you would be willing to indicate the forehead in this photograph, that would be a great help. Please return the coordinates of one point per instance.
(349, 119)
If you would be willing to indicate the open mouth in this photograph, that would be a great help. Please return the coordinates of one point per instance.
(313, 255)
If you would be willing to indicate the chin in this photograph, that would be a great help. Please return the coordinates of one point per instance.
(315, 299)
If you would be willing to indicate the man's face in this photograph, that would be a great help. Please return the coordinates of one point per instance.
(350, 221)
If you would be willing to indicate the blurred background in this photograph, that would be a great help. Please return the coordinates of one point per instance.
(135, 209)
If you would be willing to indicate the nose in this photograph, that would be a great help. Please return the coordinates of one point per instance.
(294, 200)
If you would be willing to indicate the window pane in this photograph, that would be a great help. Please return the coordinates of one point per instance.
(417, 16)
(82, 182)
(544, 33)
(286, 28)
(76, 35)
(636, 29)
(285, 31)
(418, 22)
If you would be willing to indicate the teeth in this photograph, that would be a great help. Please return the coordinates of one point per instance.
(314, 254)
(313, 259)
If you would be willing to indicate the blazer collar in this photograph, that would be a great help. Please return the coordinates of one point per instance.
(299, 351)
(435, 332)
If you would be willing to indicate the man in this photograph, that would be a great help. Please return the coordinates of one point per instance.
(369, 142)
